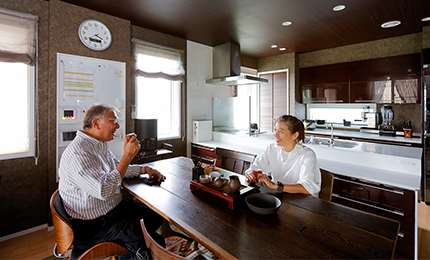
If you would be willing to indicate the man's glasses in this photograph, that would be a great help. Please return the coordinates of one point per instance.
(115, 120)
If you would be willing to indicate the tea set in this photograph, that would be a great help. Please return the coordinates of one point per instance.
(233, 183)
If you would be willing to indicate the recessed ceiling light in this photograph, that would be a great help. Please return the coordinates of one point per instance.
(282, 49)
(274, 46)
(286, 23)
(426, 19)
(390, 24)
(338, 8)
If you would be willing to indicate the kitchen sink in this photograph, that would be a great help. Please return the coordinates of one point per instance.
(337, 143)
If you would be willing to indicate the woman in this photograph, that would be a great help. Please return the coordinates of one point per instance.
(293, 167)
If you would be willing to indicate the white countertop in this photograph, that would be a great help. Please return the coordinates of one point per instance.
(398, 166)
(356, 134)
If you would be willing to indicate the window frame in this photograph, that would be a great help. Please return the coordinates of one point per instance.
(31, 71)
(342, 106)
(172, 93)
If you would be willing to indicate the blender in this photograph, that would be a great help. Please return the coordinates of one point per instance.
(386, 128)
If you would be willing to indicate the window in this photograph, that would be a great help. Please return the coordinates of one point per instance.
(158, 77)
(18, 33)
(336, 113)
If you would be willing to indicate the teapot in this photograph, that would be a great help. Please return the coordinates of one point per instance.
(234, 183)
(219, 182)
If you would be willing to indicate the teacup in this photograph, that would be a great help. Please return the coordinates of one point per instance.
(205, 179)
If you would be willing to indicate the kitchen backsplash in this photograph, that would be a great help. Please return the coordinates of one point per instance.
(406, 112)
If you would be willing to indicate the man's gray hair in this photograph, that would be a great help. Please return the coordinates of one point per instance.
(98, 111)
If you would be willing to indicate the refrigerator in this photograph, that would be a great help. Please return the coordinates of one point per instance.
(202, 130)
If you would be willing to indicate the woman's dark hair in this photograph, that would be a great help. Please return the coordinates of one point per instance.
(294, 125)
(98, 111)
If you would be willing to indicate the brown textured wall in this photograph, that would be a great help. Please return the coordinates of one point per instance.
(426, 37)
(24, 186)
(248, 62)
(180, 44)
(407, 44)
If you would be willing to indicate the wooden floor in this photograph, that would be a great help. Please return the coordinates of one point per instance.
(39, 244)
(36, 245)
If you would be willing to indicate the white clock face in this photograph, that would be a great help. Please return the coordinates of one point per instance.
(95, 35)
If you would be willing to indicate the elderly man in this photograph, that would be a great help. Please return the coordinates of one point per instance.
(90, 182)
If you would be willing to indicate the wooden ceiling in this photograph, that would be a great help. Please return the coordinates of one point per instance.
(256, 24)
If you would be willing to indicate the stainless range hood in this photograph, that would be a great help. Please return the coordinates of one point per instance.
(226, 67)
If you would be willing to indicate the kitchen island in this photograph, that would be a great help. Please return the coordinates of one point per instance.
(362, 169)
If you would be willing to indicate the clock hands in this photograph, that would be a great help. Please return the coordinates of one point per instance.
(92, 38)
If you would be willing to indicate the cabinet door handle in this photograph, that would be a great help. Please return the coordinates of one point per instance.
(400, 192)
(369, 205)
(204, 148)
(401, 234)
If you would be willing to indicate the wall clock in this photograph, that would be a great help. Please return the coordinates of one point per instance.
(95, 35)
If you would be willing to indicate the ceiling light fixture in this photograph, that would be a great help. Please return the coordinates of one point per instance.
(426, 19)
(338, 8)
(286, 23)
(274, 46)
(282, 49)
(390, 24)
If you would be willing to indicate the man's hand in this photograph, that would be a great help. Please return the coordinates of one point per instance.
(131, 145)
(154, 174)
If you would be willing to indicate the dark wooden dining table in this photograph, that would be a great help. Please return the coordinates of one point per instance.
(304, 227)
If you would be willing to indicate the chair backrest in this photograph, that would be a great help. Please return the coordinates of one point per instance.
(158, 252)
(237, 162)
(327, 180)
(62, 226)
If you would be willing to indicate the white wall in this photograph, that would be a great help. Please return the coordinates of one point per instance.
(199, 95)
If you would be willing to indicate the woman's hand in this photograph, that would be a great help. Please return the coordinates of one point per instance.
(263, 178)
(252, 177)
(154, 174)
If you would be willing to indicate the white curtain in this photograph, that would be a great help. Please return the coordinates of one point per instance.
(407, 90)
(160, 62)
(18, 33)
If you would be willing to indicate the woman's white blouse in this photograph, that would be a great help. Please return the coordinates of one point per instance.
(298, 166)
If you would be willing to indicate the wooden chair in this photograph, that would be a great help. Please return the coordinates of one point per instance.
(237, 162)
(64, 236)
(160, 253)
(327, 180)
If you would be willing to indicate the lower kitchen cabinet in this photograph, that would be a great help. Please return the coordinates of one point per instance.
(384, 200)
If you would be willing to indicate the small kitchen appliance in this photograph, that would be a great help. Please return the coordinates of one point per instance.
(372, 119)
(146, 130)
(386, 128)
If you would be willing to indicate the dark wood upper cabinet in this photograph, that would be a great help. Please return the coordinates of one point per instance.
(385, 80)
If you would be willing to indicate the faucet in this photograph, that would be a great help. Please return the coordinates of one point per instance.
(331, 142)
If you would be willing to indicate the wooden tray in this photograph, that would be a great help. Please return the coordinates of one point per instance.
(223, 192)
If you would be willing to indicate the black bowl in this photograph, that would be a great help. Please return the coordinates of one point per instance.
(321, 122)
(263, 203)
